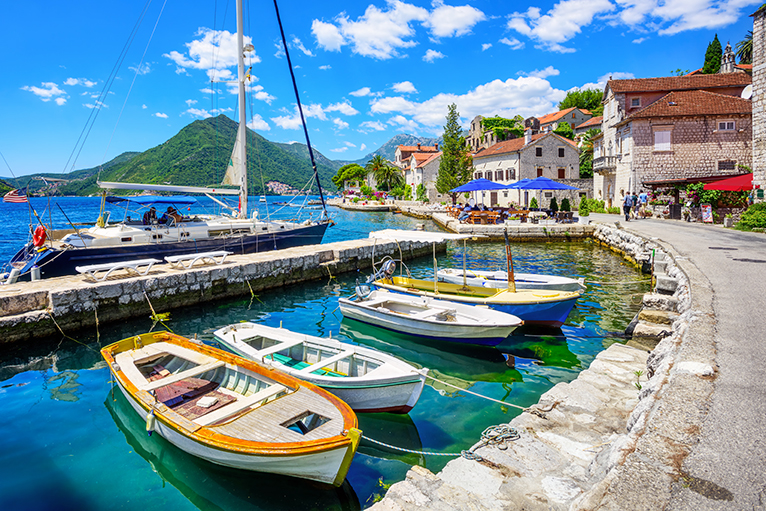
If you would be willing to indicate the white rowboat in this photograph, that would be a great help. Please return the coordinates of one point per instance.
(499, 280)
(232, 411)
(423, 316)
(366, 379)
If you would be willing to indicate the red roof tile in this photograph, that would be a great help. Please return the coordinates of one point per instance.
(416, 149)
(694, 103)
(516, 144)
(593, 121)
(688, 82)
(431, 157)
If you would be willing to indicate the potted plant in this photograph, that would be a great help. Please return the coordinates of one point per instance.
(728, 221)
(584, 212)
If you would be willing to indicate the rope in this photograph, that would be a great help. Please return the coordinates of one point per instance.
(498, 436)
(523, 409)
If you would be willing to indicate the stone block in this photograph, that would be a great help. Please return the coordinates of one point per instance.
(651, 331)
(666, 285)
(660, 317)
(655, 301)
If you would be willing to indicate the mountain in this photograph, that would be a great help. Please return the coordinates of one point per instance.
(198, 156)
(302, 151)
(388, 150)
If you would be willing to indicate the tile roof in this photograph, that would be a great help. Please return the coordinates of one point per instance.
(688, 82)
(431, 157)
(515, 145)
(694, 103)
(416, 149)
(555, 116)
(593, 121)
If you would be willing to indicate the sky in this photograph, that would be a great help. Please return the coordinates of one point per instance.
(366, 70)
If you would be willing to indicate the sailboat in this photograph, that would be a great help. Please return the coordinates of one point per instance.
(57, 253)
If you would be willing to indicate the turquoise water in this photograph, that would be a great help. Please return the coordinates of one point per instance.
(70, 442)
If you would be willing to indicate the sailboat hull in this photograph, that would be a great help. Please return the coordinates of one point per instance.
(54, 262)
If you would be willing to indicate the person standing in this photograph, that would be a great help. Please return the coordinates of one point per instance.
(627, 203)
(634, 199)
(643, 199)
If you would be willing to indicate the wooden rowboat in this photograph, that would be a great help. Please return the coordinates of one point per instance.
(542, 307)
(232, 411)
(499, 280)
(367, 380)
(424, 316)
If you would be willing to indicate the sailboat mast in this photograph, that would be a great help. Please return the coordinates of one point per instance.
(242, 132)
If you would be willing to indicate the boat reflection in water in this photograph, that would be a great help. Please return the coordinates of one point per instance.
(393, 429)
(212, 487)
(543, 345)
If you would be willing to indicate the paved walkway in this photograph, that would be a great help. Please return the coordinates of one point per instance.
(727, 464)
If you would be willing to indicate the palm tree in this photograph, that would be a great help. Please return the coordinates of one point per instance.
(384, 173)
(586, 153)
(745, 49)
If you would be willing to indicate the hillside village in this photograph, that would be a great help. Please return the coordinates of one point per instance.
(656, 135)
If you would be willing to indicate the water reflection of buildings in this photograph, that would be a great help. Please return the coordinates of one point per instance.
(208, 486)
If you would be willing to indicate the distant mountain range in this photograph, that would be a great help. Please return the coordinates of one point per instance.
(198, 156)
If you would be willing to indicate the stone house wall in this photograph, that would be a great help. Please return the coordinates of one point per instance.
(574, 118)
(759, 99)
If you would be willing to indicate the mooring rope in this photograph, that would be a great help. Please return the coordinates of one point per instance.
(498, 435)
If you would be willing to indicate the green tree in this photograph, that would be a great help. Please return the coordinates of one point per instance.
(586, 153)
(564, 130)
(353, 172)
(533, 203)
(744, 49)
(713, 57)
(456, 164)
(679, 72)
(504, 129)
(588, 99)
(565, 204)
(421, 194)
(386, 175)
(554, 205)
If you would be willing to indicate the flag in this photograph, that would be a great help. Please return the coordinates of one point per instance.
(16, 196)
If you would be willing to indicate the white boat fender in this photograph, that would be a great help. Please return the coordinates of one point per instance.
(151, 421)
(254, 216)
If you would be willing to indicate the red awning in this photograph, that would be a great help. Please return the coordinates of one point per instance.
(733, 184)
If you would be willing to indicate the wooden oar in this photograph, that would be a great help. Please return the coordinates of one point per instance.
(509, 262)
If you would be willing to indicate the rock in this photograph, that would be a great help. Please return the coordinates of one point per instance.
(652, 331)
(666, 284)
(655, 301)
(661, 317)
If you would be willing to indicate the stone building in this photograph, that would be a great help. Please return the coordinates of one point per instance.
(574, 116)
(544, 154)
(759, 103)
(424, 171)
(404, 152)
(659, 132)
(594, 123)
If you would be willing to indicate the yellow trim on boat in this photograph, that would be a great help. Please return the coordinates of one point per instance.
(355, 435)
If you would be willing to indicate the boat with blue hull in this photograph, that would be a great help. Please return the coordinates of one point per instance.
(550, 308)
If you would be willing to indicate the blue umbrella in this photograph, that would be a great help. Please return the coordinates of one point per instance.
(543, 183)
(517, 184)
(478, 185)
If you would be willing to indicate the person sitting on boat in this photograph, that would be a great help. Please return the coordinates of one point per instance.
(465, 214)
(172, 216)
(150, 216)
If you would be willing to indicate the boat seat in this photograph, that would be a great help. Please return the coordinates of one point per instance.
(240, 405)
(328, 361)
(93, 269)
(278, 347)
(188, 260)
(194, 371)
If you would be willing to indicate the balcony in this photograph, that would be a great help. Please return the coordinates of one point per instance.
(605, 164)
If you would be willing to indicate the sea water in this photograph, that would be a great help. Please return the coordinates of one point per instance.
(68, 439)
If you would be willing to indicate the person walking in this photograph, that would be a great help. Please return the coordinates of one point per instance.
(643, 199)
(627, 204)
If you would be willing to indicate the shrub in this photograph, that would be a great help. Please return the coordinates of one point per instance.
(533, 203)
(753, 218)
(367, 191)
(554, 204)
(614, 210)
(407, 192)
(565, 205)
(583, 209)
(421, 193)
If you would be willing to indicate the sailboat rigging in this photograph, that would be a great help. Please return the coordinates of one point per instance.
(178, 235)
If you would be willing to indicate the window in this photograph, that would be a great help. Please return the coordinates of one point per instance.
(561, 152)
(562, 173)
(726, 165)
(548, 195)
(498, 175)
(538, 151)
(635, 102)
(725, 125)
(477, 175)
(662, 140)
(539, 171)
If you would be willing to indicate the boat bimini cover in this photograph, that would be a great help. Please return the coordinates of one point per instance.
(148, 200)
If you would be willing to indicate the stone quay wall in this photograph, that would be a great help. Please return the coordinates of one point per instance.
(609, 440)
(45, 308)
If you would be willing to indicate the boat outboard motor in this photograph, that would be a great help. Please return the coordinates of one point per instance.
(386, 270)
(362, 290)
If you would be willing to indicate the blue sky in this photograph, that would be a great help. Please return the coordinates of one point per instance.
(366, 70)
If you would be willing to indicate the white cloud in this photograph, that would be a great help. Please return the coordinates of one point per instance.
(404, 87)
(514, 43)
(368, 126)
(213, 51)
(190, 102)
(160, 115)
(47, 92)
(674, 16)
(339, 150)
(60, 101)
(364, 91)
(344, 108)
(404, 123)
(257, 123)
(260, 94)
(544, 73)
(80, 81)
(391, 104)
(196, 112)
(325, 68)
(640, 40)
(144, 107)
(142, 69)
(560, 24)
(292, 121)
(363, 146)
(452, 21)
(298, 44)
(340, 123)
(432, 55)
(96, 104)
(601, 81)
(327, 35)
(486, 46)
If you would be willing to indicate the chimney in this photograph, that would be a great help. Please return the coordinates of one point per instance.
(527, 136)
(436, 146)
(418, 146)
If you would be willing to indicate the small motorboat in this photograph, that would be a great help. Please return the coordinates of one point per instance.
(232, 411)
(366, 379)
(428, 317)
(499, 280)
